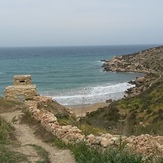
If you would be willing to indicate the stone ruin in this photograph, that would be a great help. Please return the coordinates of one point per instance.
(22, 90)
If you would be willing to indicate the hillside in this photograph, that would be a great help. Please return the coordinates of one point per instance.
(148, 61)
(141, 111)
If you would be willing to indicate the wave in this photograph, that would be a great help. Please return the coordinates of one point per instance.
(91, 95)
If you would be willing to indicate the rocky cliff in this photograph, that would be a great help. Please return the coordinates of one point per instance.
(147, 61)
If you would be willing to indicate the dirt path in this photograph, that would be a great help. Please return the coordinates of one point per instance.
(26, 136)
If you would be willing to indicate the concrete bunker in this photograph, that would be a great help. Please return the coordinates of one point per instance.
(22, 90)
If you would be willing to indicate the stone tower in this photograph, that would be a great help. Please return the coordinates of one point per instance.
(22, 89)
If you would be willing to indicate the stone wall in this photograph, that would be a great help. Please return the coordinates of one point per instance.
(22, 89)
(146, 145)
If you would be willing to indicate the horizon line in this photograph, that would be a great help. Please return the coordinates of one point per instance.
(41, 46)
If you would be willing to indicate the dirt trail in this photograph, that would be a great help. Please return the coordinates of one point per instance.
(26, 136)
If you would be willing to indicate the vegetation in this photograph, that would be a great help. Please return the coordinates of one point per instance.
(83, 153)
(42, 153)
(137, 115)
(7, 137)
(8, 105)
(8, 141)
(86, 154)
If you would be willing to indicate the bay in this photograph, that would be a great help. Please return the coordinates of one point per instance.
(71, 75)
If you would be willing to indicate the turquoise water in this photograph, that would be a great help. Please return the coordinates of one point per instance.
(71, 75)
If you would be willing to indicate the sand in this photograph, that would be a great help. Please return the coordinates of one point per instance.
(83, 110)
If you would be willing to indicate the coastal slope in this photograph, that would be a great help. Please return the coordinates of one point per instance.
(141, 112)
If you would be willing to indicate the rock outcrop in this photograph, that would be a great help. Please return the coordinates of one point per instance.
(22, 89)
(150, 60)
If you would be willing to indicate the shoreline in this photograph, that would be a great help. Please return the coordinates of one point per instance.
(131, 63)
(138, 62)
(82, 110)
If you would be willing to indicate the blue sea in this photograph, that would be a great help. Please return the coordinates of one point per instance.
(71, 75)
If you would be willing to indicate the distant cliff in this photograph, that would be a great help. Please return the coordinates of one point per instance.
(150, 60)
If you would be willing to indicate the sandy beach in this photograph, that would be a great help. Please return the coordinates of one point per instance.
(83, 110)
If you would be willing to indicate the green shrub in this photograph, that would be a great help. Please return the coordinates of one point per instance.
(85, 154)
(44, 155)
(7, 137)
(8, 156)
(6, 131)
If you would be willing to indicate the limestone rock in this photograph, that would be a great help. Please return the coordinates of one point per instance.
(20, 93)
(140, 80)
(90, 138)
(22, 89)
(22, 80)
(105, 142)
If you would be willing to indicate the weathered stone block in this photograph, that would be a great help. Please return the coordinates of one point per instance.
(22, 89)
(22, 80)
(20, 93)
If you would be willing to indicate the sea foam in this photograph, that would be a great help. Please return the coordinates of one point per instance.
(94, 94)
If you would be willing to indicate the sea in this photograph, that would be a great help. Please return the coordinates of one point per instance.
(71, 75)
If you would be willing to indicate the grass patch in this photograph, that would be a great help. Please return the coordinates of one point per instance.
(6, 132)
(7, 137)
(85, 154)
(8, 156)
(142, 114)
(88, 129)
(54, 141)
(8, 105)
(44, 155)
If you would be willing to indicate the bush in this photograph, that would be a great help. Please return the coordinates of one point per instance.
(8, 156)
(85, 154)
(5, 131)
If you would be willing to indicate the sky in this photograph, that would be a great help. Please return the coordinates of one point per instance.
(80, 22)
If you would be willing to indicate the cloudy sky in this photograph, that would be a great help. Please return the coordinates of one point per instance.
(80, 22)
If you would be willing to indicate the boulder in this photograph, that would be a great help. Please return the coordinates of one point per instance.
(140, 80)
(105, 142)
